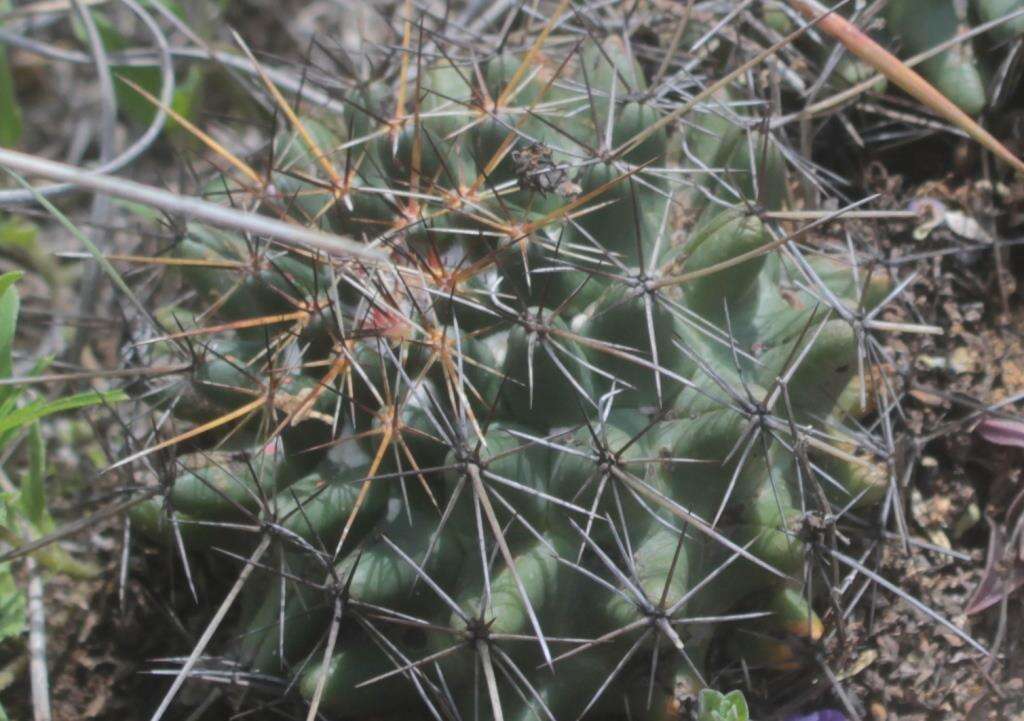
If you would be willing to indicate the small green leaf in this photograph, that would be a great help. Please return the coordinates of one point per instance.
(19, 239)
(9, 303)
(9, 395)
(12, 605)
(9, 279)
(10, 111)
(186, 93)
(144, 212)
(33, 494)
(18, 233)
(174, 7)
(40, 408)
(133, 105)
(7, 500)
(715, 706)
(130, 104)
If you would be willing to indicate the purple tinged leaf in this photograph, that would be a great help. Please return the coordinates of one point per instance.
(827, 714)
(1000, 579)
(1002, 432)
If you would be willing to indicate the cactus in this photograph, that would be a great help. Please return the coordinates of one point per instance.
(955, 72)
(989, 10)
(963, 72)
(590, 401)
(838, 65)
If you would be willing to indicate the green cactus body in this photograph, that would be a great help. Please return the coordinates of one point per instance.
(533, 360)
(988, 10)
(537, 570)
(220, 490)
(739, 165)
(361, 661)
(662, 574)
(318, 506)
(954, 72)
(848, 71)
(566, 406)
